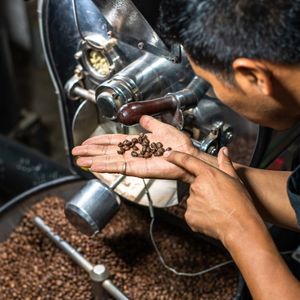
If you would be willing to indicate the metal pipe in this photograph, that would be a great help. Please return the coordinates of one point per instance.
(117, 182)
(84, 93)
(98, 273)
(113, 290)
(63, 245)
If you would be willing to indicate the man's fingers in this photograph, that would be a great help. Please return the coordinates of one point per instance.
(106, 139)
(92, 149)
(225, 163)
(151, 124)
(187, 162)
(133, 167)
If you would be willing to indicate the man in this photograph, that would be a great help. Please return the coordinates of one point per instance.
(249, 51)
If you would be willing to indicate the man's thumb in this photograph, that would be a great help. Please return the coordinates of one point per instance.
(225, 163)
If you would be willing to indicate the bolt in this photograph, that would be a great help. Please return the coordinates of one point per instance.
(78, 54)
(212, 150)
(229, 136)
(141, 45)
(214, 131)
(175, 59)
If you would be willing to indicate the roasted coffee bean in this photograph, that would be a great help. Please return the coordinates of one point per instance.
(121, 151)
(140, 140)
(159, 145)
(135, 148)
(160, 151)
(153, 146)
(147, 155)
(134, 154)
(32, 267)
(144, 149)
(145, 143)
(134, 140)
(126, 148)
(126, 142)
(169, 149)
(142, 134)
(120, 145)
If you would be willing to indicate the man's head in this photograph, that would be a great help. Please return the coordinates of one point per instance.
(248, 50)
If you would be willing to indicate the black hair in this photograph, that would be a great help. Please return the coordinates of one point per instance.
(216, 32)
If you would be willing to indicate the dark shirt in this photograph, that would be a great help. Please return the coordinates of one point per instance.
(293, 187)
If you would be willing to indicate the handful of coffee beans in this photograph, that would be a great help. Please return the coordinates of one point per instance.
(141, 147)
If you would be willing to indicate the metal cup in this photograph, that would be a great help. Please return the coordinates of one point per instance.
(93, 206)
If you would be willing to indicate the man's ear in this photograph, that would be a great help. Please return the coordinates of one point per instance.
(252, 76)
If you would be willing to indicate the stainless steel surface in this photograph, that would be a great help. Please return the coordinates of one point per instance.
(63, 245)
(84, 122)
(186, 98)
(210, 112)
(85, 94)
(93, 206)
(147, 77)
(130, 26)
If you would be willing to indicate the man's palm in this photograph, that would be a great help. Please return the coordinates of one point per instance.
(99, 153)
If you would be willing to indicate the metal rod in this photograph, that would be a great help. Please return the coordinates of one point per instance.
(113, 290)
(80, 260)
(117, 182)
(86, 94)
(63, 245)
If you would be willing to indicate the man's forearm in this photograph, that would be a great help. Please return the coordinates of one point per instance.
(269, 193)
(264, 270)
(268, 190)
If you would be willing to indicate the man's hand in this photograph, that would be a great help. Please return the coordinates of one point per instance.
(218, 205)
(99, 153)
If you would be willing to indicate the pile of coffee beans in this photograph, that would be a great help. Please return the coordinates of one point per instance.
(32, 267)
(141, 147)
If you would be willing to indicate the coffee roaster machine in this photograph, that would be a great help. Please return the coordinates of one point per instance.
(109, 66)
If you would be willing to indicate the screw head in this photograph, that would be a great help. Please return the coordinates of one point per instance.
(229, 136)
(141, 45)
(212, 150)
(99, 273)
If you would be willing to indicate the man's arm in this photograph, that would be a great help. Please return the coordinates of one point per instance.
(269, 193)
(264, 270)
(220, 206)
(268, 190)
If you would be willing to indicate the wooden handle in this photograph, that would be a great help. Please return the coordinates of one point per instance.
(130, 113)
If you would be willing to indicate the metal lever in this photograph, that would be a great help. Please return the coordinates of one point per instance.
(130, 113)
(98, 273)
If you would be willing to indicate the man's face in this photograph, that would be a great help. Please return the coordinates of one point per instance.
(250, 101)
